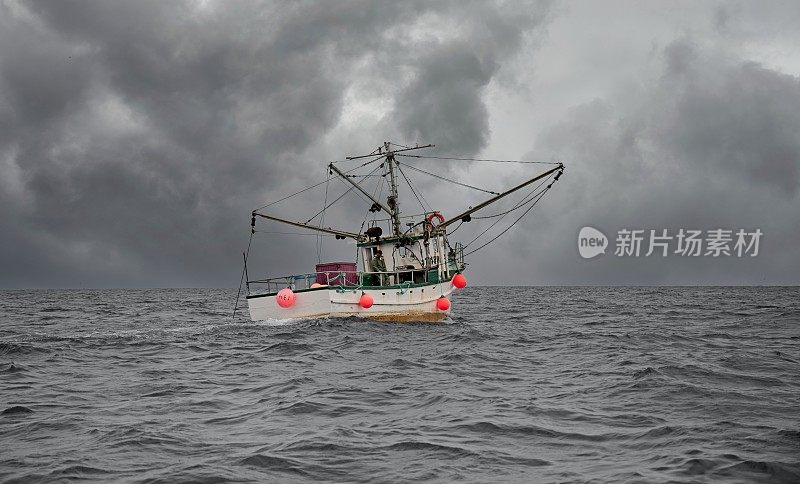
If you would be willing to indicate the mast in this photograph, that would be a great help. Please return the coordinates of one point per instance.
(392, 200)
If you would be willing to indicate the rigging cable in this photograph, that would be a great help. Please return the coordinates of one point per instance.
(293, 194)
(457, 227)
(340, 197)
(535, 200)
(317, 184)
(241, 279)
(512, 224)
(375, 194)
(360, 194)
(322, 221)
(366, 214)
(411, 187)
(527, 199)
(421, 195)
(449, 180)
(522, 202)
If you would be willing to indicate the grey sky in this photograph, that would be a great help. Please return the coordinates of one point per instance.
(135, 137)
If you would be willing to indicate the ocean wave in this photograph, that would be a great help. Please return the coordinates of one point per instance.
(16, 410)
(274, 463)
(8, 348)
(573, 384)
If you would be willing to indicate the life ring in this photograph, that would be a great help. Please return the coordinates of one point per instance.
(435, 215)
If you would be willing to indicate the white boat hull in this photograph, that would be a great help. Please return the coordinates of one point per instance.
(416, 303)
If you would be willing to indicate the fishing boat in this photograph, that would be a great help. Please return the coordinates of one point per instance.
(406, 267)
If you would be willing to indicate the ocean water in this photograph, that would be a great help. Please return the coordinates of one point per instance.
(521, 385)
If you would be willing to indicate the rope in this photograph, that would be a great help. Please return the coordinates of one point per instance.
(523, 202)
(457, 227)
(318, 184)
(478, 159)
(377, 195)
(449, 180)
(352, 187)
(539, 197)
(421, 195)
(358, 193)
(411, 187)
(333, 202)
(293, 194)
(527, 199)
(241, 279)
(322, 221)
(509, 227)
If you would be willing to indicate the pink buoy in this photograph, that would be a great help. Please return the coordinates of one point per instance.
(443, 304)
(316, 285)
(285, 298)
(460, 281)
(366, 301)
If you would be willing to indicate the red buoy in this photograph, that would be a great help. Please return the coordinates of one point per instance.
(460, 281)
(443, 304)
(285, 298)
(365, 301)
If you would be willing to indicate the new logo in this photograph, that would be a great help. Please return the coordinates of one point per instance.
(591, 242)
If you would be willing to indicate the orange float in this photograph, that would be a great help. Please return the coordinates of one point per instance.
(366, 301)
(285, 298)
(460, 281)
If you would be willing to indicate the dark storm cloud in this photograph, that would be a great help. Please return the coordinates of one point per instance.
(448, 88)
(136, 136)
(452, 74)
(708, 142)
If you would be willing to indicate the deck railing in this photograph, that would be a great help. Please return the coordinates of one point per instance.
(345, 279)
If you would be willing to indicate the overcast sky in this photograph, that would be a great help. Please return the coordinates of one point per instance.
(136, 137)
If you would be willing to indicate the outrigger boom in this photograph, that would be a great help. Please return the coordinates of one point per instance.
(340, 233)
(469, 212)
(359, 188)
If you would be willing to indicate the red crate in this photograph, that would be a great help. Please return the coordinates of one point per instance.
(332, 269)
